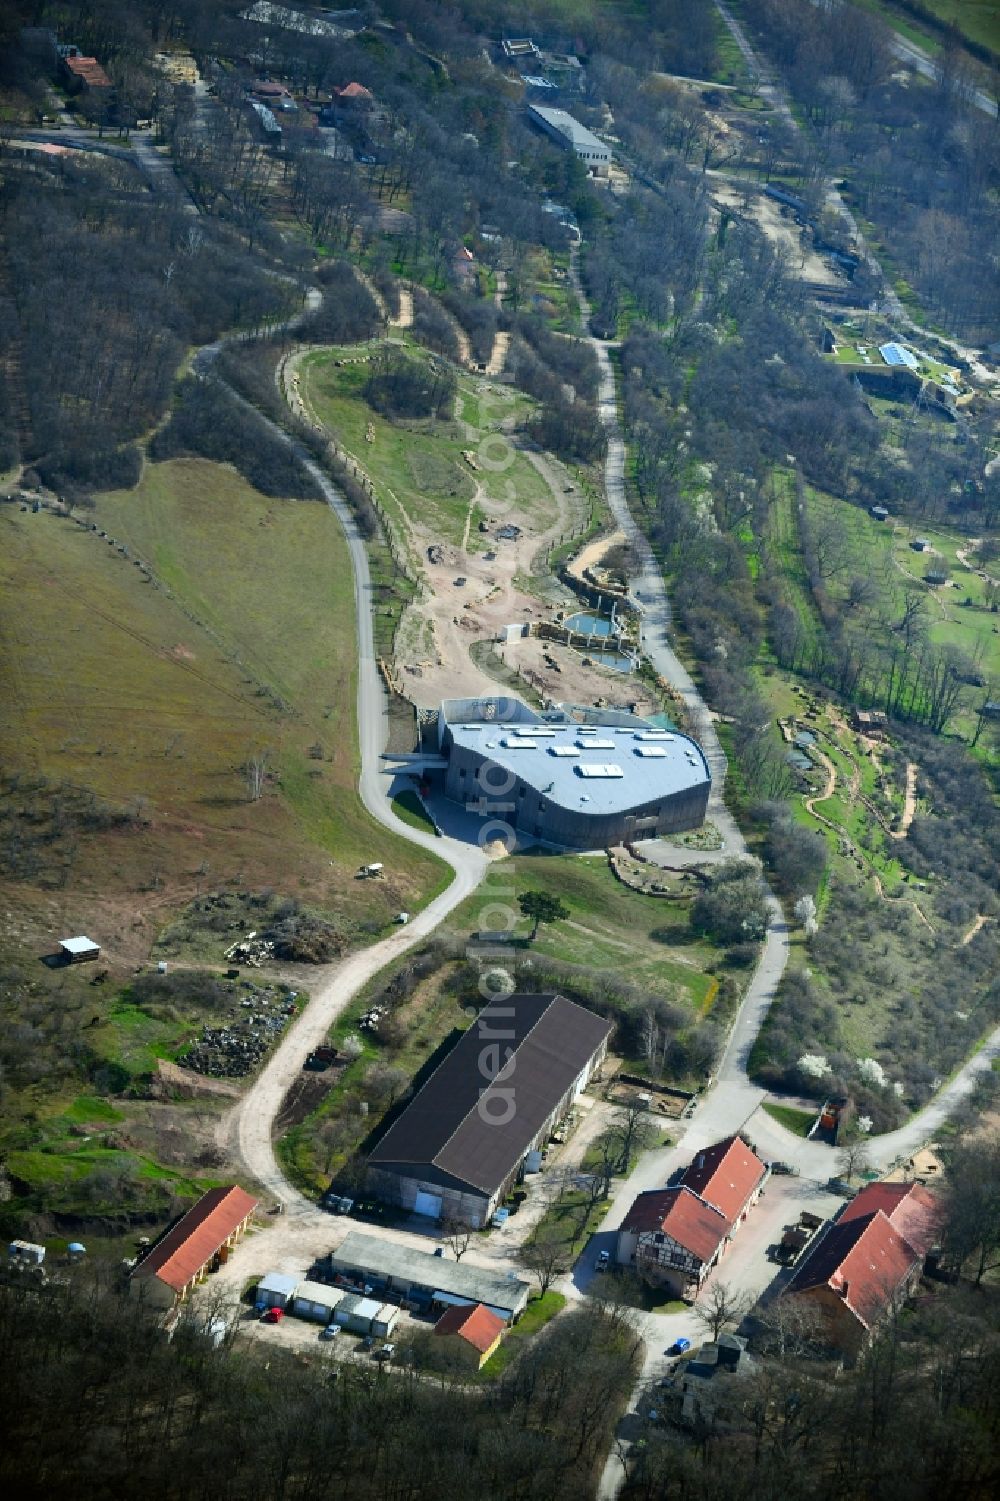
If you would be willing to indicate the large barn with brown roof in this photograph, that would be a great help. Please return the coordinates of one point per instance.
(675, 1236)
(185, 1255)
(460, 1144)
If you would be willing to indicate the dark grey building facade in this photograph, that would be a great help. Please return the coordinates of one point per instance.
(573, 778)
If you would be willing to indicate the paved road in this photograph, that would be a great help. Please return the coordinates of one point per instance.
(649, 591)
(253, 1118)
(156, 167)
(250, 1125)
(732, 1103)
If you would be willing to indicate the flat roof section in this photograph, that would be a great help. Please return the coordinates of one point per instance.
(580, 137)
(551, 764)
(461, 1279)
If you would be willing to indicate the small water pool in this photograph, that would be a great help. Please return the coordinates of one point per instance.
(588, 625)
(612, 659)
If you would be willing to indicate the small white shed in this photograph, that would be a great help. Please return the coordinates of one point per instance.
(357, 1314)
(276, 1290)
(27, 1252)
(316, 1301)
(384, 1320)
(78, 950)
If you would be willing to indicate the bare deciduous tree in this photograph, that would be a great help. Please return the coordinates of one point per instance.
(721, 1305)
(255, 775)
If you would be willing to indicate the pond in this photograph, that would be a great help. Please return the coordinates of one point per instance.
(588, 625)
(611, 659)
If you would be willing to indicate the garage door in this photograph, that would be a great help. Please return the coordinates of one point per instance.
(429, 1204)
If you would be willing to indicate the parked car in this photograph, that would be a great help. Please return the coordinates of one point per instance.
(330, 1332)
(784, 1169)
(439, 1251)
(385, 1353)
(679, 1346)
(272, 1315)
(842, 1187)
(603, 1262)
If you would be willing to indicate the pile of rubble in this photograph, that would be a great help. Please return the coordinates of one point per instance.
(252, 950)
(371, 1018)
(238, 1046)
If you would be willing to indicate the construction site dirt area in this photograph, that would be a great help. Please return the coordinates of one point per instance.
(803, 259)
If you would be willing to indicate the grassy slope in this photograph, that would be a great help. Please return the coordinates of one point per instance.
(883, 554)
(644, 939)
(151, 699)
(273, 580)
(418, 469)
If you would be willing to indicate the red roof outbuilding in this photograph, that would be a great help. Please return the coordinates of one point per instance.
(180, 1254)
(354, 91)
(476, 1325)
(89, 71)
(912, 1211)
(726, 1175)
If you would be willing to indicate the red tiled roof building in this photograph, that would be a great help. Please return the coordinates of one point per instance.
(853, 1276)
(911, 1210)
(183, 1256)
(473, 1331)
(85, 72)
(675, 1236)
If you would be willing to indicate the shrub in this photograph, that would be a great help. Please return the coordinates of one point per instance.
(214, 424)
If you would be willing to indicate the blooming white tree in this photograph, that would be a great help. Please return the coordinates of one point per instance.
(864, 1124)
(870, 1071)
(815, 1065)
(805, 911)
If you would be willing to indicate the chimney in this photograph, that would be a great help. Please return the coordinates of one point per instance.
(842, 1289)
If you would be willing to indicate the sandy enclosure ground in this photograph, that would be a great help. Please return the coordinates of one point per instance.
(802, 258)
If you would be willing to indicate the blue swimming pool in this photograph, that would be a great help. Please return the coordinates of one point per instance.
(612, 659)
(588, 625)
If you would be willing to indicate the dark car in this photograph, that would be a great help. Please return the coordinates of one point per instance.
(784, 1169)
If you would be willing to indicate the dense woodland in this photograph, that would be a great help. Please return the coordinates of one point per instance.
(113, 1410)
(921, 163)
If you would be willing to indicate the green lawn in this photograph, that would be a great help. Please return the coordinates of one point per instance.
(537, 1314)
(610, 928)
(222, 549)
(407, 806)
(799, 1122)
(418, 469)
(958, 614)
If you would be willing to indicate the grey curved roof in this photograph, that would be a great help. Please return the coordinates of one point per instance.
(572, 781)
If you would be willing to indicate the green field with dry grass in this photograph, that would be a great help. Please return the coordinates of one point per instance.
(149, 700)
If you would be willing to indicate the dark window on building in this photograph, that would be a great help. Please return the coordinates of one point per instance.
(521, 791)
(658, 1237)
